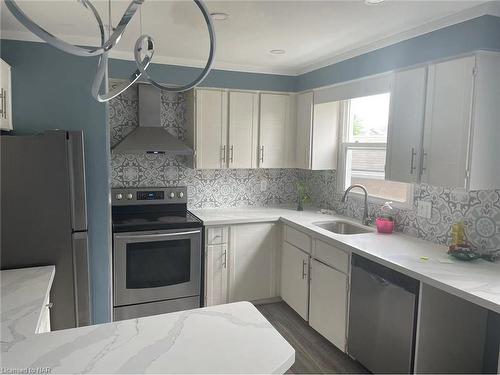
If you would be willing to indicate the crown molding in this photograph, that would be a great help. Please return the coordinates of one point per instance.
(488, 8)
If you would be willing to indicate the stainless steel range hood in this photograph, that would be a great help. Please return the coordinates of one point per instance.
(150, 137)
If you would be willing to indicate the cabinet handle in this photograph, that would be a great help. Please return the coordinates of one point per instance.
(231, 149)
(424, 156)
(223, 148)
(3, 109)
(412, 162)
(224, 257)
(304, 264)
(5, 104)
(49, 305)
(262, 154)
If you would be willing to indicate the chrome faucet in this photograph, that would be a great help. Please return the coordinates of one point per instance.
(365, 220)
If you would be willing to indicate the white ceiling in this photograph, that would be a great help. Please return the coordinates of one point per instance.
(313, 33)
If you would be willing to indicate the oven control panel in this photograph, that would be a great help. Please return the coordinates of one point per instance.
(144, 196)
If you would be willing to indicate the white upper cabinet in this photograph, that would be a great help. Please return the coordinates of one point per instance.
(448, 122)
(304, 129)
(5, 97)
(406, 124)
(317, 133)
(448, 136)
(485, 143)
(275, 131)
(243, 129)
(210, 134)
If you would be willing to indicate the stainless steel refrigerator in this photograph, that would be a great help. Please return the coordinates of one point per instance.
(44, 216)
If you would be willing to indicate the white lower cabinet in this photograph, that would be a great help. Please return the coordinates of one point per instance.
(241, 265)
(328, 303)
(216, 274)
(252, 261)
(295, 278)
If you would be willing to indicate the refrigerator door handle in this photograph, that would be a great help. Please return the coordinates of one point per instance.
(76, 162)
(81, 279)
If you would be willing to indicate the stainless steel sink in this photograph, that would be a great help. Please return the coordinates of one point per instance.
(342, 227)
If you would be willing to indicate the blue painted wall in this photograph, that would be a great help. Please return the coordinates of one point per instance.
(174, 74)
(51, 89)
(478, 33)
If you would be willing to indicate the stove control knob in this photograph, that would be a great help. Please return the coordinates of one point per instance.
(129, 196)
(172, 195)
(119, 196)
(180, 194)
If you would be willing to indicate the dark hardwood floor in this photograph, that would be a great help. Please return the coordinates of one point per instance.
(313, 353)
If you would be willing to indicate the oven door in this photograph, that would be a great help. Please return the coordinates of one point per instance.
(156, 265)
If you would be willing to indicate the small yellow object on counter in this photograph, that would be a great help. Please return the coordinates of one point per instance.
(424, 258)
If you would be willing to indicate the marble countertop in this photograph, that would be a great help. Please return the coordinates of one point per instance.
(477, 281)
(232, 338)
(23, 293)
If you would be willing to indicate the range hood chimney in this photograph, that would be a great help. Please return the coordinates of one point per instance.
(150, 137)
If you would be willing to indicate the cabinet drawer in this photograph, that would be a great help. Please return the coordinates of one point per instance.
(216, 235)
(332, 256)
(298, 239)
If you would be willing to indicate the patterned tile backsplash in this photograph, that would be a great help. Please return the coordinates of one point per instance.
(480, 210)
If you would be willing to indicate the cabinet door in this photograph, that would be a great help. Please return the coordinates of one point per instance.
(243, 126)
(406, 124)
(211, 129)
(447, 125)
(273, 152)
(216, 275)
(304, 130)
(328, 303)
(5, 97)
(252, 266)
(295, 279)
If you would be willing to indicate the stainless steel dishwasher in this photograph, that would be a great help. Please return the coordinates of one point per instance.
(382, 317)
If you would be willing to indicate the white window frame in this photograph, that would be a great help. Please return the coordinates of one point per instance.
(344, 146)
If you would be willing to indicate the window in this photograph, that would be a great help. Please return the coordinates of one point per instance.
(364, 145)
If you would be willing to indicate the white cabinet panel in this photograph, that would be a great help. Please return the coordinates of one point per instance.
(216, 274)
(304, 130)
(5, 97)
(295, 279)
(217, 235)
(298, 239)
(328, 303)
(447, 124)
(406, 125)
(325, 136)
(243, 128)
(252, 261)
(485, 156)
(331, 256)
(211, 129)
(274, 123)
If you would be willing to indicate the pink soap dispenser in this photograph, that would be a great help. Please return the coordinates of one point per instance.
(385, 220)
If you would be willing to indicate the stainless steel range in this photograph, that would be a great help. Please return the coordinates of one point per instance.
(157, 252)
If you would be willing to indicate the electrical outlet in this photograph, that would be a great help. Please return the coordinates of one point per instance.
(263, 185)
(424, 209)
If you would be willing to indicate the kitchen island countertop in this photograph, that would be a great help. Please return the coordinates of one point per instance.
(231, 338)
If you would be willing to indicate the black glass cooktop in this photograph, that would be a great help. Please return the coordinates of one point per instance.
(142, 221)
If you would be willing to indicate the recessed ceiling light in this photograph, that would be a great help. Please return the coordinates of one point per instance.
(219, 16)
(277, 51)
(373, 2)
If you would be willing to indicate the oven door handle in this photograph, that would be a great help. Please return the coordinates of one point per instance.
(156, 235)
